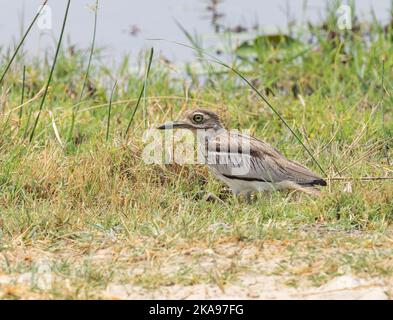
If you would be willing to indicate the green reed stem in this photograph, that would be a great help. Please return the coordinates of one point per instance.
(76, 107)
(23, 93)
(51, 73)
(109, 112)
(22, 41)
(142, 91)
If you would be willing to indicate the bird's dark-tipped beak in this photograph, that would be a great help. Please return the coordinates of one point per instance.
(173, 125)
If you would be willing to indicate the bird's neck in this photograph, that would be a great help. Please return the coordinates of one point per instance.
(205, 135)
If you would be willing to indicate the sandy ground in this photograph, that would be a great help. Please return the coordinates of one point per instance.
(252, 286)
(255, 277)
(248, 286)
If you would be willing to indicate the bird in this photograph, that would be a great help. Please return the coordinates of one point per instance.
(242, 162)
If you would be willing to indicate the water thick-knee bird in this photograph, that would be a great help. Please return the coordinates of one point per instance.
(242, 162)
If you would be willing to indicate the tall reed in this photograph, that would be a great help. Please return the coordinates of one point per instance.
(142, 91)
(76, 107)
(22, 94)
(51, 73)
(22, 41)
(109, 112)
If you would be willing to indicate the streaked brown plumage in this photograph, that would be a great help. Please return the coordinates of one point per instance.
(244, 163)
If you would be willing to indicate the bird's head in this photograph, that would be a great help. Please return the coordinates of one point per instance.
(198, 119)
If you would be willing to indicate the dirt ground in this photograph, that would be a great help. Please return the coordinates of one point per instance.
(251, 286)
(272, 270)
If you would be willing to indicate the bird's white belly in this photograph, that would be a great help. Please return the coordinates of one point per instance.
(240, 186)
(243, 187)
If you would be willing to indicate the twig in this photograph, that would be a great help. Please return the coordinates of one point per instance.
(359, 179)
(368, 153)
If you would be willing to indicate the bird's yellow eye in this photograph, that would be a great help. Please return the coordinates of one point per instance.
(198, 118)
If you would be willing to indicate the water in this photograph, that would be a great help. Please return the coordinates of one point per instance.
(125, 26)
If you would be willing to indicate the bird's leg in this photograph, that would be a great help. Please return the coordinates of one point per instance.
(248, 197)
(207, 196)
(212, 197)
(224, 194)
(235, 196)
(200, 194)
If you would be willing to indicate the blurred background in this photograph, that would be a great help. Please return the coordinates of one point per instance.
(125, 27)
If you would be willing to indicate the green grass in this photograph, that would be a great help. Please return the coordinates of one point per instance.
(102, 216)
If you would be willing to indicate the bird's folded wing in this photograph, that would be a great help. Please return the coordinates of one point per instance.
(246, 158)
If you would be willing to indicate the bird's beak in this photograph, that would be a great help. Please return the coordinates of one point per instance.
(173, 125)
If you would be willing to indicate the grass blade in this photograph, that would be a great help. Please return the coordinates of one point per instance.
(385, 147)
(51, 72)
(190, 38)
(142, 91)
(23, 93)
(21, 42)
(57, 135)
(25, 131)
(76, 107)
(109, 112)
